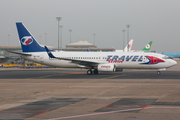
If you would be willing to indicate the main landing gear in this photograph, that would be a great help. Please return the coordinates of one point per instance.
(89, 72)
(158, 72)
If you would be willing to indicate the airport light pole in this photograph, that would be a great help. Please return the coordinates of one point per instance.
(128, 26)
(61, 26)
(94, 38)
(58, 19)
(123, 38)
(70, 30)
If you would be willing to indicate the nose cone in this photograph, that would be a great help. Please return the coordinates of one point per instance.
(173, 62)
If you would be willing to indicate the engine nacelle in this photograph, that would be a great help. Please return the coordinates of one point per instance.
(106, 67)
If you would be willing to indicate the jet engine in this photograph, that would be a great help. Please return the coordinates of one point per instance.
(106, 67)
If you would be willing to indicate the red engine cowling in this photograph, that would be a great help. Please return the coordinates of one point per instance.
(106, 67)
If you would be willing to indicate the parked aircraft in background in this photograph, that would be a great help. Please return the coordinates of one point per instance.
(147, 47)
(128, 46)
(172, 55)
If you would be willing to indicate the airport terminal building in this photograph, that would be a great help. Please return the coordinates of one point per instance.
(82, 46)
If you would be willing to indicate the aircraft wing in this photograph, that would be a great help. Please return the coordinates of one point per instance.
(20, 53)
(79, 62)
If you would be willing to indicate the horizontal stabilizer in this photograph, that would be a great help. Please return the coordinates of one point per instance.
(19, 53)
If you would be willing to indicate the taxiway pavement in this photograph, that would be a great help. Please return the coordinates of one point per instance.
(53, 93)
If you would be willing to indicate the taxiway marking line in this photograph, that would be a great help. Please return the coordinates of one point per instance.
(45, 76)
(114, 76)
(31, 78)
(100, 113)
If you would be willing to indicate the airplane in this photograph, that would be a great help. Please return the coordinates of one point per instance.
(95, 62)
(172, 55)
(128, 46)
(147, 47)
(126, 49)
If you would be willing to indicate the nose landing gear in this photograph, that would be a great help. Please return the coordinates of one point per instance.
(158, 72)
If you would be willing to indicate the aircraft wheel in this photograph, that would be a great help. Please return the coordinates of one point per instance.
(158, 72)
(89, 72)
(95, 71)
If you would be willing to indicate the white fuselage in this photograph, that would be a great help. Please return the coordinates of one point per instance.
(121, 60)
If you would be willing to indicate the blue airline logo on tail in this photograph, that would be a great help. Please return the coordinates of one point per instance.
(26, 40)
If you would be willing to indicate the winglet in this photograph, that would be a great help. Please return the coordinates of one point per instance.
(49, 53)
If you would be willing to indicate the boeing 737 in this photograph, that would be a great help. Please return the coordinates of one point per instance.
(93, 61)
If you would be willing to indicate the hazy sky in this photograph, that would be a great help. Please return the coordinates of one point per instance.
(156, 20)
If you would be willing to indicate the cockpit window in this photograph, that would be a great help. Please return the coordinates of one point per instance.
(167, 57)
